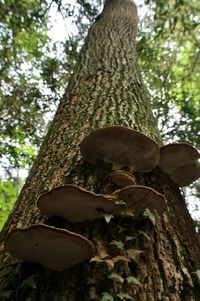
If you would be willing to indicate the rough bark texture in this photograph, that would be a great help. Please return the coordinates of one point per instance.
(106, 89)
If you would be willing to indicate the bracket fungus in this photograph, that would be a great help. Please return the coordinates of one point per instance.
(122, 147)
(138, 198)
(180, 162)
(75, 204)
(57, 249)
(122, 178)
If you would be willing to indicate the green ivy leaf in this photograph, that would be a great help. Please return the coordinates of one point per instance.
(106, 297)
(30, 282)
(118, 243)
(124, 296)
(144, 234)
(121, 229)
(198, 275)
(116, 276)
(6, 294)
(120, 202)
(151, 215)
(129, 238)
(108, 217)
(133, 280)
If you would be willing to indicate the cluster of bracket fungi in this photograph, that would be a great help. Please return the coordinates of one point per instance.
(60, 249)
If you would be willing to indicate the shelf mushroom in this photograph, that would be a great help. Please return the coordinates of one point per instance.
(180, 162)
(137, 198)
(122, 178)
(122, 147)
(118, 179)
(75, 204)
(57, 249)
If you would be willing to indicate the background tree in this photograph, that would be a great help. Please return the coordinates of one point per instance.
(146, 259)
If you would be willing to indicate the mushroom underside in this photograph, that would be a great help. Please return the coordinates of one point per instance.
(121, 147)
(75, 204)
(57, 249)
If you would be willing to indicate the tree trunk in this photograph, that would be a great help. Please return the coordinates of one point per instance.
(161, 256)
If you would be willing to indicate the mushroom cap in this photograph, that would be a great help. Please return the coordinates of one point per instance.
(75, 204)
(122, 178)
(186, 174)
(57, 249)
(175, 155)
(138, 198)
(179, 161)
(121, 147)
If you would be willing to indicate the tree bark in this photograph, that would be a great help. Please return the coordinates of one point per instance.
(106, 88)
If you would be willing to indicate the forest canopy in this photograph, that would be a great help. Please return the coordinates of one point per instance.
(35, 68)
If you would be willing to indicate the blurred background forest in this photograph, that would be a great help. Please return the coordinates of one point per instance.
(39, 43)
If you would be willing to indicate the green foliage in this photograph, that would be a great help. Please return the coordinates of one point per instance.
(133, 280)
(107, 297)
(9, 191)
(144, 234)
(118, 243)
(150, 215)
(116, 276)
(198, 276)
(124, 296)
(23, 36)
(169, 55)
(20, 289)
(23, 40)
(5, 295)
(108, 217)
(29, 282)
